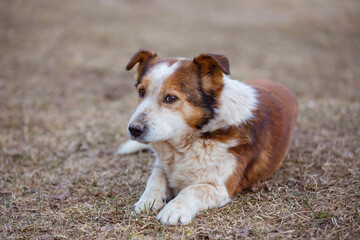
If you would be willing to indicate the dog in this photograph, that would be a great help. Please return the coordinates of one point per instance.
(213, 136)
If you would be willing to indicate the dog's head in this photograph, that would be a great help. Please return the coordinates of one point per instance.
(176, 95)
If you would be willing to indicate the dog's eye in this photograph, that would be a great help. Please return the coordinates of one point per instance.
(142, 93)
(170, 99)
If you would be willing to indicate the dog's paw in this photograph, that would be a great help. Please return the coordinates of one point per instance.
(147, 203)
(174, 213)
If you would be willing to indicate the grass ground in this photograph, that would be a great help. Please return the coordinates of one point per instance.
(65, 100)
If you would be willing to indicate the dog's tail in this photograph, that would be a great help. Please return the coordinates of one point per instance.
(131, 147)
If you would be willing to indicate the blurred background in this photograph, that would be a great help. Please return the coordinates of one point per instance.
(312, 46)
(65, 97)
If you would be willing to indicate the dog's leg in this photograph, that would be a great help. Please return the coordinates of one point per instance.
(191, 200)
(155, 192)
(131, 146)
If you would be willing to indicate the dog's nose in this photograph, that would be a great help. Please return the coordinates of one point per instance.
(136, 129)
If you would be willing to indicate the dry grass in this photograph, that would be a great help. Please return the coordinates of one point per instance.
(65, 100)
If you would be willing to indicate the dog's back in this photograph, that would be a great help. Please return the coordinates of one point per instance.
(271, 131)
(277, 95)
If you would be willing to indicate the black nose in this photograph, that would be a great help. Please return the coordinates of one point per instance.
(136, 129)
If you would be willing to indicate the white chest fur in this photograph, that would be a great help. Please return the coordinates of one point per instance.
(205, 161)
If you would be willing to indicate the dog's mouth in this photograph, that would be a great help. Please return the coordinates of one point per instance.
(141, 141)
(145, 139)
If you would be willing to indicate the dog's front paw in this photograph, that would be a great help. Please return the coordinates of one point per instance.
(148, 202)
(174, 213)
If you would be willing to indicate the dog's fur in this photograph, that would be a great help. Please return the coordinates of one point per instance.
(218, 137)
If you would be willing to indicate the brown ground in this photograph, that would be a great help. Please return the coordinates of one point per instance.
(65, 100)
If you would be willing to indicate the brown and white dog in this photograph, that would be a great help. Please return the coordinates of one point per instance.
(213, 136)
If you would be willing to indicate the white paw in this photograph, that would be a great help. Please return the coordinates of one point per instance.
(174, 213)
(147, 203)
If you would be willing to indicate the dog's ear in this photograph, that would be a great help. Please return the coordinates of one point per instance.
(141, 57)
(211, 68)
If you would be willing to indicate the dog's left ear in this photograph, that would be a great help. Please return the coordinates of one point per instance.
(141, 57)
(212, 67)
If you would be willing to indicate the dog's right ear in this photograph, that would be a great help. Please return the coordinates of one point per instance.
(211, 68)
(142, 57)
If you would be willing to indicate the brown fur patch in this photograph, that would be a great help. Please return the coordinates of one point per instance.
(197, 106)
